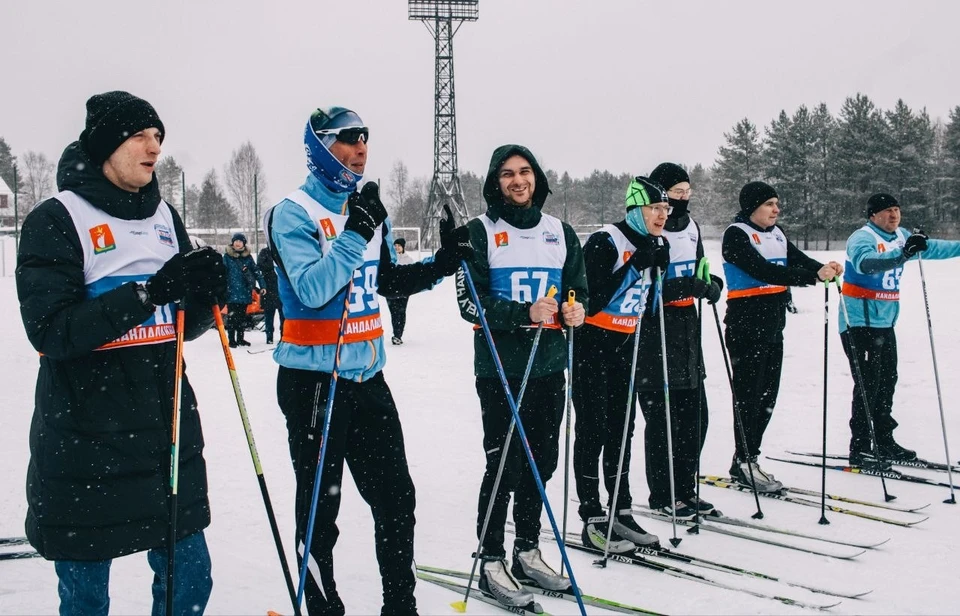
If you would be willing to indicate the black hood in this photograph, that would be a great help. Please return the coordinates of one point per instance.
(76, 173)
(496, 207)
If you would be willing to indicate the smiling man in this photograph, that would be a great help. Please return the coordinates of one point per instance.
(520, 253)
(101, 270)
(876, 254)
(760, 264)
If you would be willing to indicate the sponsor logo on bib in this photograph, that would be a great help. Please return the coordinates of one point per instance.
(102, 238)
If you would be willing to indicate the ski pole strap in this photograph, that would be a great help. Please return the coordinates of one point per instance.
(703, 270)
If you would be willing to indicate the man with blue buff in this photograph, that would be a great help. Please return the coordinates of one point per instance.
(333, 249)
(876, 254)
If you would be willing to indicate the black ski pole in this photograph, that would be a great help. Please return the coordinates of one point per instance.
(703, 273)
(252, 446)
(823, 466)
(859, 382)
(174, 465)
(675, 541)
(737, 419)
(936, 375)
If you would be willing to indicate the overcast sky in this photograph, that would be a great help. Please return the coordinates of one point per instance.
(610, 84)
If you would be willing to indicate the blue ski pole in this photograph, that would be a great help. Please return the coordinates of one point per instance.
(327, 413)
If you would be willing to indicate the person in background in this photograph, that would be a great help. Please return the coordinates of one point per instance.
(102, 269)
(243, 276)
(760, 263)
(270, 303)
(398, 305)
(685, 373)
(876, 254)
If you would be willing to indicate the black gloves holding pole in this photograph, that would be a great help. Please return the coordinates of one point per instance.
(199, 273)
(454, 244)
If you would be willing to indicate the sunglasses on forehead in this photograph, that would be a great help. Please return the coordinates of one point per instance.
(348, 134)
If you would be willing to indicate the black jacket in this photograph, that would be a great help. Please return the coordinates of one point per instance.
(270, 301)
(682, 326)
(763, 317)
(98, 476)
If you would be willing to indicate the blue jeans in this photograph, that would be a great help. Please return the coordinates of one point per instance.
(84, 584)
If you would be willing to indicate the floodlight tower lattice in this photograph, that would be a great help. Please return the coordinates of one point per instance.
(443, 19)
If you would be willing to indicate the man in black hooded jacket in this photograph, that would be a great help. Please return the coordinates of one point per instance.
(685, 374)
(520, 253)
(102, 268)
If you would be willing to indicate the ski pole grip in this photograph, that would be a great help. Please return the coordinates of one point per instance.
(552, 291)
(571, 297)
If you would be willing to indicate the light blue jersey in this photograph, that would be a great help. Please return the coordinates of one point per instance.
(870, 244)
(316, 263)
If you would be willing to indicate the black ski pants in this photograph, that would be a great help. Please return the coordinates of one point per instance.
(398, 314)
(876, 353)
(757, 363)
(365, 431)
(601, 392)
(540, 412)
(685, 404)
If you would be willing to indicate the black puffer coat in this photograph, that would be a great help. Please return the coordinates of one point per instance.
(98, 476)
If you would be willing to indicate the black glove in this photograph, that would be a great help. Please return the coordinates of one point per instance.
(199, 272)
(454, 244)
(661, 256)
(915, 243)
(713, 293)
(366, 211)
(643, 257)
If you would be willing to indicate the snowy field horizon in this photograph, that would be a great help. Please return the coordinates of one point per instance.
(431, 377)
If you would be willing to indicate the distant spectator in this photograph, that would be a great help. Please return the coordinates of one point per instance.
(398, 305)
(271, 302)
(243, 276)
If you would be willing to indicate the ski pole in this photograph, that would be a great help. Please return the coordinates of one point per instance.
(174, 463)
(523, 435)
(327, 413)
(737, 418)
(823, 469)
(461, 606)
(658, 299)
(571, 298)
(703, 273)
(936, 376)
(859, 382)
(255, 457)
(631, 402)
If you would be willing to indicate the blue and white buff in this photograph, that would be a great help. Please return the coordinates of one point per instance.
(325, 166)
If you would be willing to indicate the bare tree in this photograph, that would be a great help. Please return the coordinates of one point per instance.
(239, 174)
(37, 178)
(399, 178)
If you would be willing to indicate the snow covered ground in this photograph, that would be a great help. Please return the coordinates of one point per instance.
(431, 377)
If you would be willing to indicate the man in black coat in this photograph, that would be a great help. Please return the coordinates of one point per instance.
(760, 265)
(270, 303)
(102, 268)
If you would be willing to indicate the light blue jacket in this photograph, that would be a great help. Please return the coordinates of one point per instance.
(864, 258)
(317, 278)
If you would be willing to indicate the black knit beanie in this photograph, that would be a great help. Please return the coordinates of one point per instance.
(669, 175)
(880, 202)
(112, 118)
(755, 194)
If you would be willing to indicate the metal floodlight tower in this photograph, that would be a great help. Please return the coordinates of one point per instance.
(443, 19)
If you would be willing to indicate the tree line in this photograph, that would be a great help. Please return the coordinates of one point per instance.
(824, 167)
